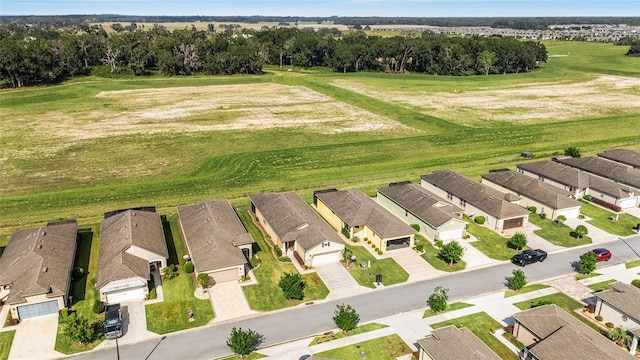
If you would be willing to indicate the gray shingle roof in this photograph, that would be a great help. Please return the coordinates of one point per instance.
(623, 297)
(607, 169)
(355, 208)
(562, 336)
(213, 232)
(421, 203)
(489, 200)
(569, 176)
(39, 261)
(293, 219)
(451, 343)
(624, 156)
(523, 185)
(117, 234)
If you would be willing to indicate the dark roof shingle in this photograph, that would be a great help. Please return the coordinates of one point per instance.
(607, 169)
(624, 156)
(451, 343)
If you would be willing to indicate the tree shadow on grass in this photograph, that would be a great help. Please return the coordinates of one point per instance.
(171, 246)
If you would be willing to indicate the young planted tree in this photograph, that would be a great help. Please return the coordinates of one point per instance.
(292, 286)
(518, 241)
(451, 252)
(79, 329)
(581, 231)
(561, 219)
(203, 280)
(438, 300)
(345, 317)
(588, 262)
(242, 342)
(517, 281)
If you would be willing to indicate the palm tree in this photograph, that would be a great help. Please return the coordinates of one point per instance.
(620, 336)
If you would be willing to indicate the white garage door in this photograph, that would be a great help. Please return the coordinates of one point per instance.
(224, 276)
(39, 309)
(320, 259)
(569, 213)
(629, 203)
(130, 294)
(453, 234)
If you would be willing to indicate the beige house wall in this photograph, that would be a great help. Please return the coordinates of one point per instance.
(267, 228)
(576, 192)
(611, 314)
(147, 255)
(329, 216)
(523, 334)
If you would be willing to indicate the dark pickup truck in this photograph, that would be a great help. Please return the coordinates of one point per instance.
(529, 257)
(112, 322)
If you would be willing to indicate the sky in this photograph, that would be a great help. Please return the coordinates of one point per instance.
(326, 8)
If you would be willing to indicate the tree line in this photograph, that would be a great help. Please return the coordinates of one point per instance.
(30, 56)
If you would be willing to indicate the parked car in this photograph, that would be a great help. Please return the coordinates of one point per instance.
(112, 322)
(529, 257)
(602, 254)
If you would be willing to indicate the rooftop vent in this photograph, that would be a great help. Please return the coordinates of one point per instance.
(39, 246)
(44, 269)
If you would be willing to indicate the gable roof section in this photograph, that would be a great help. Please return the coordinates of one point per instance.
(534, 189)
(293, 219)
(606, 169)
(39, 261)
(355, 208)
(421, 203)
(562, 336)
(489, 200)
(451, 343)
(624, 156)
(213, 232)
(120, 232)
(557, 172)
(623, 297)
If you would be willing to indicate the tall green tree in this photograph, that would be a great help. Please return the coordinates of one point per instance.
(345, 317)
(486, 60)
(581, 231)
(438, 300)
(451, 252)
(242, 342)
(517, 281)
(588, 262)
(518, 241)
(292, 286)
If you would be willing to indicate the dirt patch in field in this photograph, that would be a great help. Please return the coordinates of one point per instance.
(217, 108)
(537, 102)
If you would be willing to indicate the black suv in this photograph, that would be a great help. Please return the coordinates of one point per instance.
(529, 257)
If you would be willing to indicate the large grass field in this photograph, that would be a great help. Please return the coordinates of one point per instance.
(96, 144)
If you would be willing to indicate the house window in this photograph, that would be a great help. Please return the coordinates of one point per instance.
(449, 196)
(326, 244)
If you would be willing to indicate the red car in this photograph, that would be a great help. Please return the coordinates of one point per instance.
(602, 254)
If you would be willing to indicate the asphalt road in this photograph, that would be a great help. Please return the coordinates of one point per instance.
(286, 325)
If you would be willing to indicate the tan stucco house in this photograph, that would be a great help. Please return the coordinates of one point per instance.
(131, 241)
(36, 269)
(621, 306)
(216, 239)
(359, 215)
(291, 224)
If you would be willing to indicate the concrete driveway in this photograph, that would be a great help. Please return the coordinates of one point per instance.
(417, 267)
(228, 301)
(35, 339)
(338, 280)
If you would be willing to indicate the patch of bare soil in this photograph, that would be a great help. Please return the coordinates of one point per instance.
(527, 103)
(216, 108)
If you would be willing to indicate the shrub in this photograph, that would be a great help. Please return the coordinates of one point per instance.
(540, 303)
(379, 252)
(369, 242)
(466, 236)
(581, 216)
(284, 259)
(346, 233)
(170, 271)
(587, 197)
(292, 286)
(609, 325)
(419, 247)
(188, 267)
(480, 220)
(439, 243)
(277, 250)
(64, 312)
(78, 273)
(98, 306)
(153, 294)
(598, 317)
(416, 227)
(355, 239)
(533, 209)
(543, 216)
(636, 283)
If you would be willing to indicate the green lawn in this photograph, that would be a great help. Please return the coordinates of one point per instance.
(489, 242)
(631, 264)
(339, 335)
(526, 289)
(251, 356)
(480, 325)
(600, 218)
(6, 339)
(580, 276)
(431, 256)
(556, 233)
(601, 286)
(267, 295)
(392, 273)
(384, 348)
(450, 307)
(171, 314)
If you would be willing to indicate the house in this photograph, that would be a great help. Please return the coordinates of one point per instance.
(216, 240)
(549, 333)
(361, 216)
(437, 218)
(581, 183)
(619, 173)
(295, 227)
(36, 268)
(623, 156)
(501, 210)
(451, 343)
(621, 306)
(546, 198)
(131, 241)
